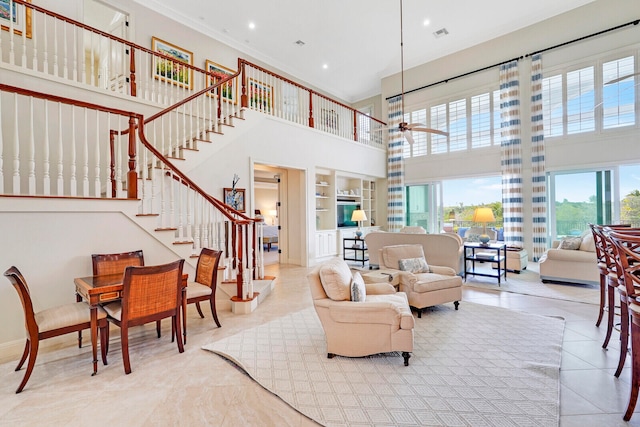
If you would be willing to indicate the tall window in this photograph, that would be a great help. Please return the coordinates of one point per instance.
(580, 101)
(439, 121)
(552, 106)
(618, 99)
(458, 125)
(480, 121)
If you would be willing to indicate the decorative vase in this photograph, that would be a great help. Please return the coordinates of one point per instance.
(358, 234)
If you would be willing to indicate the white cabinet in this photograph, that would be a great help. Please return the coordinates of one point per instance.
(326, 244)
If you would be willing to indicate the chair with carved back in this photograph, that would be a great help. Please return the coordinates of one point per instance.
(607, 268)
(627, 252)
(204, 286)
(150, 293)
(51, 322)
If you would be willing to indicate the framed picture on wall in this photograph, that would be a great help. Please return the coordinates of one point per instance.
(20, 15)
(234, 198)
(228, 91)
(171, 69)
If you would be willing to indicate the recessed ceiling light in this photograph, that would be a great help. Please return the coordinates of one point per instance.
(426, 22)
(325, 66)
(252, 26)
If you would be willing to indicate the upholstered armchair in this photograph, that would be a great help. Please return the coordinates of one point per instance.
(380, 322)
(426, 285)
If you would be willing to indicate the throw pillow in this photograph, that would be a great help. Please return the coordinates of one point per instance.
(414, 265)
(358, 289)
(335, 277)
(570, 243)
(587, 243)
(473, 238)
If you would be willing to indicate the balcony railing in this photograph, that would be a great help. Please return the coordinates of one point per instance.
(44, 42)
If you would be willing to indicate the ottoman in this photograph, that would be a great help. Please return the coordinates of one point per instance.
(517, 259)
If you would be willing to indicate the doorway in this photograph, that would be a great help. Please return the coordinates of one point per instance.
(279, 193)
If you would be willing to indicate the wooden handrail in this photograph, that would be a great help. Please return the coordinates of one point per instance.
(242, 62)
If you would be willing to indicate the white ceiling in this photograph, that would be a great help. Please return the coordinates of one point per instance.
(359, 40)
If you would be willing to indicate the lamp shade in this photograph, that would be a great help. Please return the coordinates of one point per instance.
(483, 215)
(358, 215)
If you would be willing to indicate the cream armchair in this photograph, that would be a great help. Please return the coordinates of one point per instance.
(437, 285)
(381, 323)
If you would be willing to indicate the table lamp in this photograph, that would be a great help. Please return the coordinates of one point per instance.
(358, 215)
(484, 215)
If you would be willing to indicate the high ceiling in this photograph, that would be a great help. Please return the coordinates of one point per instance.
(358, 40)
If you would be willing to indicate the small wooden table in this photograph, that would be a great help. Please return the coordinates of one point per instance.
(98, 290)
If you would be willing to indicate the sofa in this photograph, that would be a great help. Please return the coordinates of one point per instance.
(376, 319)
(572, 259)
(443, 249)
(424, 283)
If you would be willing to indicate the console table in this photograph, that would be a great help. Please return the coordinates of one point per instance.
(354, 250)
(495, 253)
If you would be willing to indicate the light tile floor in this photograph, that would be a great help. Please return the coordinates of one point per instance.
(200, 388)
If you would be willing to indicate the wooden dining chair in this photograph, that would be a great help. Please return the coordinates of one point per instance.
(204, 286)
(104, 264)
(627, 249)
(51, 322)
(149, 293)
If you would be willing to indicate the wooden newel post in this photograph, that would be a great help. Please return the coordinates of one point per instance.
(244, 101)
(311, 124)
(132, 70)
(112, 163)
(355, 125)
(132, 176)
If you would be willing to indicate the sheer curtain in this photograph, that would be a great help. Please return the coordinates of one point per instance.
(511, 153)
(538, 175)
(395, 168)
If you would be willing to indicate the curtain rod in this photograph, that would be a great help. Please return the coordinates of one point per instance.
(635, 22)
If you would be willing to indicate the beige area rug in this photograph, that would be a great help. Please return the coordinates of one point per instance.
(479, 366)
(528, 283)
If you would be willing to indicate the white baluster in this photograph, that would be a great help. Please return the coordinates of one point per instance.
(45, 49)
(46, 177)
(97, 187)
(75, 54)
(16, 145)
(55, 48)
(34, 40)
(60, 182)
(180, 230)
(85, 157)
(197, 244)
(163, 199)
(153, 174)
(12, 54)
(24, 37)
(83, 60)
(172, 200)
(32, 152)
(65, 60)
(73, 179)
(205, 222)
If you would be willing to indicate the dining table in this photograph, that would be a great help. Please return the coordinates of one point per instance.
(96, 290)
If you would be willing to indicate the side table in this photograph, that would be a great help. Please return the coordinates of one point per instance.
(354, 250)
(493, 253)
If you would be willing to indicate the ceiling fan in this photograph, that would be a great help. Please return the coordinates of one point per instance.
(407, 128)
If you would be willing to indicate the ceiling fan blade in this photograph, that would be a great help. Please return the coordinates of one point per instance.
(429, 130)
(409, 137)
(414, 125)
(619, 79)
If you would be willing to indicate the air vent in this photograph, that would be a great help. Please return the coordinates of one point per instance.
(440, 33)
(300, 43)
